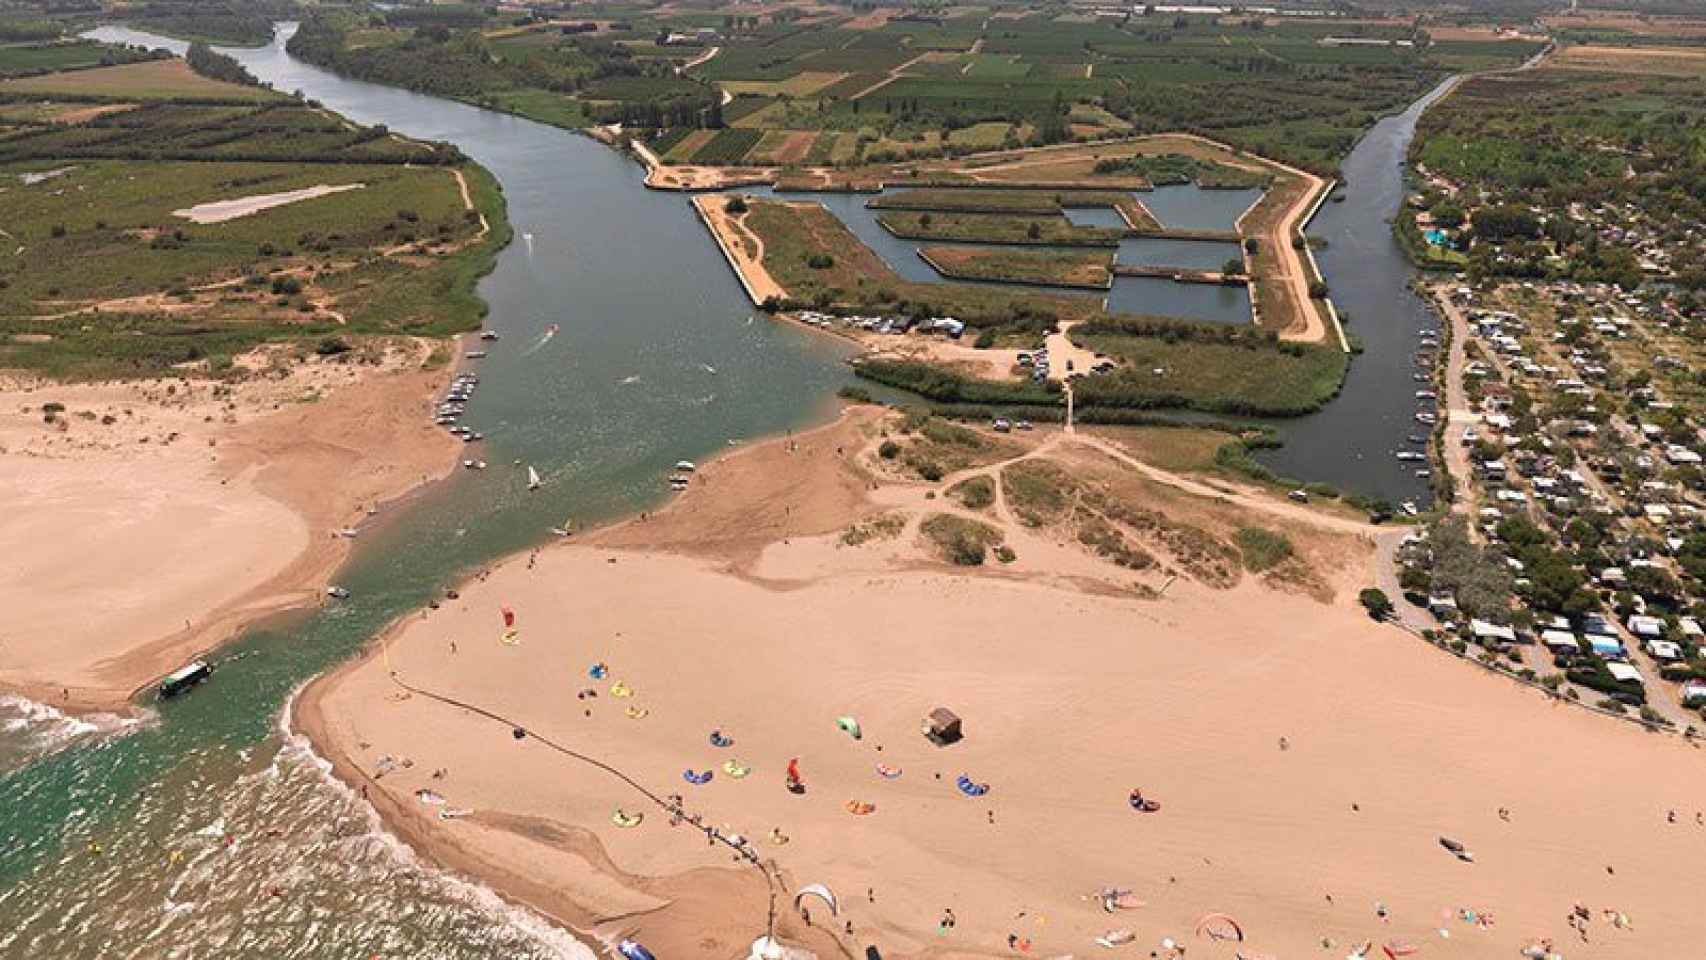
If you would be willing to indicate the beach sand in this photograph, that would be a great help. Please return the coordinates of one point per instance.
(739, 609)
(163, 515)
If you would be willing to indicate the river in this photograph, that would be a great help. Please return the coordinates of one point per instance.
(1350, 444)
(659, 357)
(208, 831)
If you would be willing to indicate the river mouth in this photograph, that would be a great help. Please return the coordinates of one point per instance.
(209, 826)
(656, 357)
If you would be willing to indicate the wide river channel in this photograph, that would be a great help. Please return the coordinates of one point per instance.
(208, 831)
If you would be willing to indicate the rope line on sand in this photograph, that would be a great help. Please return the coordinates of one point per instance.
(674, 810)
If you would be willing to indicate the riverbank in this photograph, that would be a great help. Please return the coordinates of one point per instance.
(164, 515)
(1191, 690)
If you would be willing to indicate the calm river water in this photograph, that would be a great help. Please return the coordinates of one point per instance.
(208, 831)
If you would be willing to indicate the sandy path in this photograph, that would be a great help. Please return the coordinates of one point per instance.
(701, 59)
(1071, 699)
(161, 533)
(468, 204)
(734, 239)
(220, 211)
(894, 75)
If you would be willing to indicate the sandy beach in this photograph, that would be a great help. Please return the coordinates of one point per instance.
(1306, 760)
(164, 515)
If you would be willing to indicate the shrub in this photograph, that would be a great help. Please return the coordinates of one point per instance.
(1263, 549)
(889, 450)
(1376, 602)
(58, 230)
(961, 542)
(820, 261)
(736, 204)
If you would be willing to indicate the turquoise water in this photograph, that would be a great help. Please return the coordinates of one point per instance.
(658, 358)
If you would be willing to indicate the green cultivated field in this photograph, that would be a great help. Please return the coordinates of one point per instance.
(910, 88)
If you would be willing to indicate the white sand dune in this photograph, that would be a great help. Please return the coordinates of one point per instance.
(220, 211)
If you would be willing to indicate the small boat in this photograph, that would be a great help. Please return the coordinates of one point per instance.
(184, 678)
(1409, 508)
(633, 951)
(349, 533)
(469, 464)
(685, 466)
(1425, 395)
(1416, 439)
(533, 481)
(1424, 474)
(470, 437)
(479, 464)
(1410, 455)
(1301, 496)
(337, 593)
(488, 334)
(475, 355)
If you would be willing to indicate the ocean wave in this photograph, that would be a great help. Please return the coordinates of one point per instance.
(541, 931)
(39, 729)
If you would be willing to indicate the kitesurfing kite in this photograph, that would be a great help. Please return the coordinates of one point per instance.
(1219, 926)
(822, 893)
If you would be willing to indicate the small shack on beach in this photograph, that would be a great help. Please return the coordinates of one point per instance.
(942, 727)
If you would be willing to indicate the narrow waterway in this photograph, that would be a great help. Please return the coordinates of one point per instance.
(1351, 444)
(208, 831)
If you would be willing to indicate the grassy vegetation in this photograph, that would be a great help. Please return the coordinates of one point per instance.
(1261, 550)
(1038, 492)
(105, 276)
(1205, 367)
(958, 540)
(1068, 268)
(974, 493)
(1051, 229)
(1180, 448)
(884, 526)
(931, 447)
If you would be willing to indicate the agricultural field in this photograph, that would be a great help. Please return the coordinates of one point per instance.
(22, 59)
(883, 89)
(149, 80)
(1642, 61)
